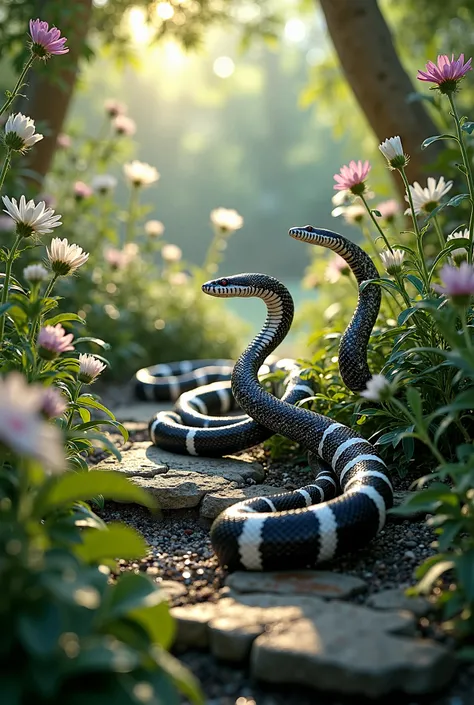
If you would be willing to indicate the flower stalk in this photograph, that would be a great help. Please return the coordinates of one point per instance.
(6, 280)
(18, 86)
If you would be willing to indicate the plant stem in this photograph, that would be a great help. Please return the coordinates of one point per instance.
(468, 174)
(374, 220)
(34, 324)
(18, 85)
(6, 280)
(5, 167)
(74, 398)
(465, 329)
(419, 236)
(439, 232)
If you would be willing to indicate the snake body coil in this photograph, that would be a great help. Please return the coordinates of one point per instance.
(311, 525)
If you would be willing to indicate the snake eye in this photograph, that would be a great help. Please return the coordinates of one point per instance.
(309, 228)
(223, 282)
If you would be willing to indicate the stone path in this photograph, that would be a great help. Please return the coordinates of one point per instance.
(292, 636)
(291, 627)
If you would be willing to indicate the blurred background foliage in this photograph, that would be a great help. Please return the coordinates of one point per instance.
(239, 104)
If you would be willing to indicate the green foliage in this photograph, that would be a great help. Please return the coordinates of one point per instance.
(71, 631)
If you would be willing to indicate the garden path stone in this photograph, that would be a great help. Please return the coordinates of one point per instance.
(180, 481)
(318, 583)
(214, 503)
(335, 646)
(395, 599)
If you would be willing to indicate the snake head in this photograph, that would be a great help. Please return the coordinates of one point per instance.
(316, 236)
(227, 287)
(244, 285)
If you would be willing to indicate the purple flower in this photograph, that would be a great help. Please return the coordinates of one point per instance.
(352, 177)
(46, 42)
(446, 72)
(458, 283)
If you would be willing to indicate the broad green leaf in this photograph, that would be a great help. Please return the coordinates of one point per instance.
(436, 138)
(416, 405)
(132, 590)
(465, 573)
(89, 401)
(64, 490)
(183, 678)
(156, 619)
(117, 541)
(63, 317)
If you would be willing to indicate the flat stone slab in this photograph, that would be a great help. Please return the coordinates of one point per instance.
(215, 503)
(333, 646)
(395, 599)
(180, 481)
(320, 583)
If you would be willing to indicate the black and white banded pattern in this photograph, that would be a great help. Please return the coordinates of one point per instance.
(315, 523)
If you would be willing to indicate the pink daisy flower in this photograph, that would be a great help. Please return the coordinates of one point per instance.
(446, 72)
(352, 177)
(46, 42)
(82, 190)
(458, 283)
(53, 340)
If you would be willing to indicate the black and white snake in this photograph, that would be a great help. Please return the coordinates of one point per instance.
(312, 524)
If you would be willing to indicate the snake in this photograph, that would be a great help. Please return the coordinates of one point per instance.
(201, 388)
(345, 505)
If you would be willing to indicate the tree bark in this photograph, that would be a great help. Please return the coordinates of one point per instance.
(380, 84)
(50, 88)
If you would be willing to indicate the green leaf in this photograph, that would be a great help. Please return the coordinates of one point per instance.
(405, 315)
(89, 401)
(416, 405)
(456, 200)
(96, 341)
(4, 307)
(72, 487)
(417, 283)
(429, 140)
(435, 572)
(63, 317)
(468, 127)
(118, 540)
(39, 627)
(183, 678)
(132, 591)
(465, 572)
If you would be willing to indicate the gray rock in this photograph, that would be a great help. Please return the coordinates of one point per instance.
(172, 588)
(233, 468)
(395, 599)
(319, 583)
(215, 503)
(182, 481)
(179, 490)
(333, 646)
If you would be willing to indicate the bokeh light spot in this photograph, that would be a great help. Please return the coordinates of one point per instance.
(223, 67)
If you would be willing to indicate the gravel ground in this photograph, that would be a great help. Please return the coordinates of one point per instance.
(180, 550)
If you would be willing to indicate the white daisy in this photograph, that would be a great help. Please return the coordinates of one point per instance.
(226, 219)
(140, 173)
(426, 199)
(171, 253)
(103, 183)
(378, 389)
(35, 273)
(31, 218)
(392, 150)
(64, 258)
(392, 261)
(20, 133)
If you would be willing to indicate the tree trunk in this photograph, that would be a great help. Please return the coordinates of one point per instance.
(50, 88)
(380, 84)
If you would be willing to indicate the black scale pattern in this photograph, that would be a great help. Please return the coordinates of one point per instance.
(302, 537)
